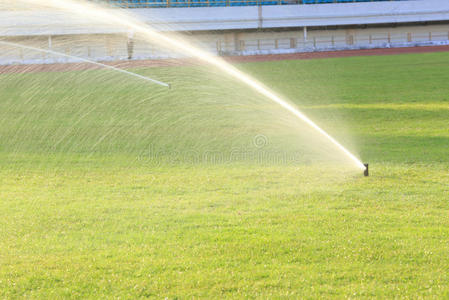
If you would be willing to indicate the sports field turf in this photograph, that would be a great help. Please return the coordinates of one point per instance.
(86, 227)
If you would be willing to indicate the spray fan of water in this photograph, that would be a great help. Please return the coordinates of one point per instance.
(214, 111)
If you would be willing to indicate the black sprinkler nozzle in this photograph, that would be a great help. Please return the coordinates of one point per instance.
(366, 172)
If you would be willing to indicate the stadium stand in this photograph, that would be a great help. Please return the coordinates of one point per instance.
(217, 3)
(241, 28)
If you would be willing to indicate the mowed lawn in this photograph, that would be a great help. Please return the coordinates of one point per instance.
(243, 229)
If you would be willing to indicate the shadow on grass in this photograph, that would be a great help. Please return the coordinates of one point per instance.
(404, 149)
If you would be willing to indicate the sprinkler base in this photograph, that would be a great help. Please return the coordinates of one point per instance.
(366, 172)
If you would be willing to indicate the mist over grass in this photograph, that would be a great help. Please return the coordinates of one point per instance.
(206, 117)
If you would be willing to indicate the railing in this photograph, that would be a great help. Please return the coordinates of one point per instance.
(330, 42)
(218, 3)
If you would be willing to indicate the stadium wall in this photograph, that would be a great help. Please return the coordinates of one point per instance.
(108, 47)
(233, 30)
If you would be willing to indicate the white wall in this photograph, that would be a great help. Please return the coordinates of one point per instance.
(114, 46)
(275, 16)
(13, 23)
(71, 35)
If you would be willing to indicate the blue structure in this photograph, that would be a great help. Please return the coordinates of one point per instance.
(215, 3)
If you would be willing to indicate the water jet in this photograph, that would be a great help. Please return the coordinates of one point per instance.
(118, 19)
(86, 61)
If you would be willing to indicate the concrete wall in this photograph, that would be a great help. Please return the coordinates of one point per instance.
(213, 29)
(319, 40)
(20, 22)
(282, 16)
(114, 46)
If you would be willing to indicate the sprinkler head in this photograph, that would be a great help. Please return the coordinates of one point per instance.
(366, 172)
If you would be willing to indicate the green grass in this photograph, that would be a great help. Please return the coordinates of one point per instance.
(100, 223)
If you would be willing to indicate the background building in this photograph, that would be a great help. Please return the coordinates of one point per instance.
(230, 27)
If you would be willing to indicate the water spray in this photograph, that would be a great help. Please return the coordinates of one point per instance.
(117, 17)
(87, 61)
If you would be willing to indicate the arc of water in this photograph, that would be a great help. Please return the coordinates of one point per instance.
(117, 17)
(257, 86)
(87, 61)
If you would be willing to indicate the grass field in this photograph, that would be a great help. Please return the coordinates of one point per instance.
(109, 229)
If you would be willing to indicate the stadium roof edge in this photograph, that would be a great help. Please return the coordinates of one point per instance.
(15, 23)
